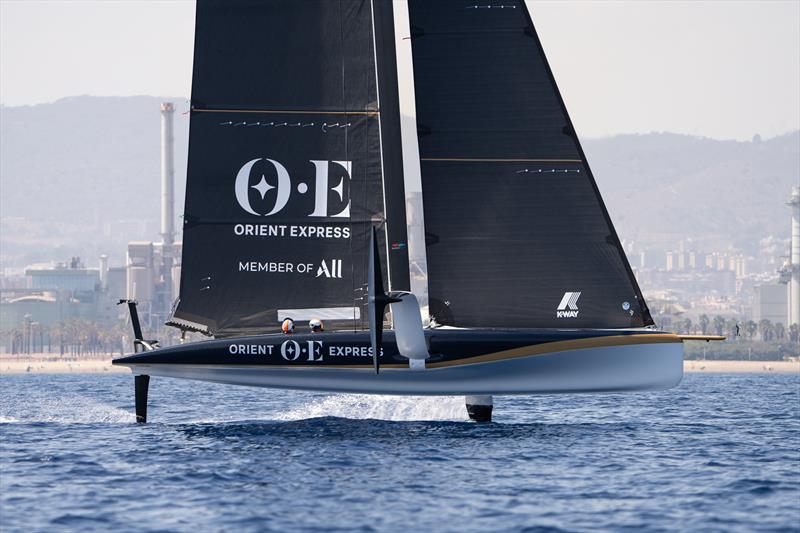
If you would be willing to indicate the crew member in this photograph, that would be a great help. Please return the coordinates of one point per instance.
(288, 326)
(315, 324)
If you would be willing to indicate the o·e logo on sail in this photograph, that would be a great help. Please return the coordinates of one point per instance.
(283, 187)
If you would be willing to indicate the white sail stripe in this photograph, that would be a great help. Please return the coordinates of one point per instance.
(322, 313)
(412, 173)
(564, 300)
(573, 302)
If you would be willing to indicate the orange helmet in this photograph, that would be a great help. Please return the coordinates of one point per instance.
(288, 326)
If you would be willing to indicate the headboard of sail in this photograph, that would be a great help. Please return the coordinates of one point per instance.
(284, 171)
(517, 234)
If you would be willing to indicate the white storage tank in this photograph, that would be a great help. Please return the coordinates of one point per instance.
(140, 283)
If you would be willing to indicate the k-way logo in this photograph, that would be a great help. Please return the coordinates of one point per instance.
(568, 308)
(335, 271)
(275, 176)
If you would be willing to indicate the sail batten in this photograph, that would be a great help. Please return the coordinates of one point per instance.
(288, 111)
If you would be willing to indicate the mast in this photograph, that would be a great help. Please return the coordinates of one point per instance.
(412, 175)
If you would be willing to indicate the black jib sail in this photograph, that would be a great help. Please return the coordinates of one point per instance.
(284, 172)
(517, 234)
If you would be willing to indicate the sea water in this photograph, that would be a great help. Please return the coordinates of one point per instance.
(719, 452)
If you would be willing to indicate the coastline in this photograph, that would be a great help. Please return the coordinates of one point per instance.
(46, 364)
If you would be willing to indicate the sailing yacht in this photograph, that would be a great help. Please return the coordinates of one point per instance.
(406, 172)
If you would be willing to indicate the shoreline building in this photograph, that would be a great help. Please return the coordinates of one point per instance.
(790, 273)
(54, 294)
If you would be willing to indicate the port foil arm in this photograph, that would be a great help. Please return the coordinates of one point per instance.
(139, 343)
(706, 338)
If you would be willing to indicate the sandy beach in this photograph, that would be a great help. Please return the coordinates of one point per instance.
(11, 364)
(46, 365)
(742, 367)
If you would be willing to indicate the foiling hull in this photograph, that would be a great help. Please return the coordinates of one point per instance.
(559, 361)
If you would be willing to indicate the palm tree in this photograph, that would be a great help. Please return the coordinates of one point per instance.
(750, 329)
(765, 327)
(704, 322)
(780, 331)
(718, 325)
(794, 333)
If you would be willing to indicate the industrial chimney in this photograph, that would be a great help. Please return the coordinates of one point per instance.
(167, 176)
(794, 264)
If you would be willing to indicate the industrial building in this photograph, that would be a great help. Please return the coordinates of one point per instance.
(53, 293)
(780, 302)
(769, 302)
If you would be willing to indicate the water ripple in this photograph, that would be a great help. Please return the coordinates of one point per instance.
(717, 453)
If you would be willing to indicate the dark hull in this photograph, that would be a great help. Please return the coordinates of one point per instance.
(461, 362)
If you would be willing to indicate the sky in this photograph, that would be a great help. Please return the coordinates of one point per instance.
(715, 68)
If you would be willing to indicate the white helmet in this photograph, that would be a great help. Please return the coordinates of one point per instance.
(315, 324)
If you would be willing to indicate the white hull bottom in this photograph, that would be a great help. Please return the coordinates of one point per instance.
(597, 369)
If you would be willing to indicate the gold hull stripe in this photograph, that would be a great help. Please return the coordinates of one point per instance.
(562, 346)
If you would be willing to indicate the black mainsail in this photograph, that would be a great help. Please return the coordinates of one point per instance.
(284, 174)
(300, 143)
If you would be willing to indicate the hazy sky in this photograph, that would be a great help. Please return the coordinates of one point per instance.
(715, 68)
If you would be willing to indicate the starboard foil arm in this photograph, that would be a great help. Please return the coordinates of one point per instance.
(407, 319)
(407, 323)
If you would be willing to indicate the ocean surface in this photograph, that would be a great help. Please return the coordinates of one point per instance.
(720, 452)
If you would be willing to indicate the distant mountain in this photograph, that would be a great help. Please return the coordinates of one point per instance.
(81, 176)
(661, 187)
